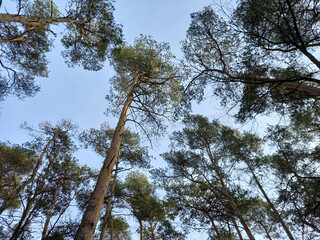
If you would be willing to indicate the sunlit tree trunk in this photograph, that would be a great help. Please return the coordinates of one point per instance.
(92, 213)
(107, 214)
(153, 235)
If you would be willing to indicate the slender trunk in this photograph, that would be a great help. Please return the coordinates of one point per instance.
(60, 215)
(237, 228)
(31, 178)
(105, 217)
(92, 213)
(46, 225)
(19, 228)
(265, 229)
(226, 192)
(111, 227)
(214, 225)
(286, 229)
(139, 220)
(229, 229)
(153, 235)
(141, 229)
(236, 209)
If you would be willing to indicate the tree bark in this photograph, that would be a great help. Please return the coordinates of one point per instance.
(214, 225)
(141, 229)
(33, 21)
(107, 214)
(237, 228)
(92, 213)
(31, 178)
(45, 228)
(226, 192)
(268, 199)
(111, 227)
(19, 227)
(153, 235)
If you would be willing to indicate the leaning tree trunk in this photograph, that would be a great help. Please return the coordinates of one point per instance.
(107, 214)
(92, 213)
(20, 226)
(226, 192)
(275, 211)
(140, 229)
(49, 215)
(16, 193)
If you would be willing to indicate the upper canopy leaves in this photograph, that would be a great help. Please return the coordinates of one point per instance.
(239, 56)
(26, 37)
(158, 88)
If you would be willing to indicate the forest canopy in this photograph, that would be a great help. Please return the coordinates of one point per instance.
(221, 142)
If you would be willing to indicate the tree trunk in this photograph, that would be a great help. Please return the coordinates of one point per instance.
(19, 227)
(111, 227)
(237, 228)
(45, 228)
(141, 229)
(153, 235)
(267, 198)
(105, 217)
(4, 17)
(31, 178)
(214, 225)
(226, 192)
(264, 228)
(92, 213)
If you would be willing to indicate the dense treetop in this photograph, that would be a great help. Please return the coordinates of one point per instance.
(26, 36)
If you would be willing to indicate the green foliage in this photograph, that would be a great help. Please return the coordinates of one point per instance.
(16, 163)
(120, 228)
(206, 163)
(49, 178)
(158, 88)
(281, 25)
(88, 39)
(137, 185)
(131, 151)
(156, 214)
(296, 166)
(27, 37)
(238, 57)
